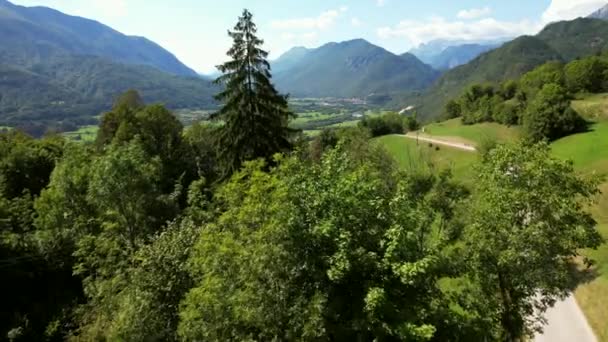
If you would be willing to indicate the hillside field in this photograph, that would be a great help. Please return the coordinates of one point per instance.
(589, 153)
(423, 156)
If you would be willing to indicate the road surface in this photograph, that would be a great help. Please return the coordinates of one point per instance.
(457, 145)
(566, 323)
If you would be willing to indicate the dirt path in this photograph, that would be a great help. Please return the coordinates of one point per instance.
(567, 323)
(457, 145)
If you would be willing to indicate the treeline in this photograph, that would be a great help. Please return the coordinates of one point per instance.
(539, 101)
(389, 123)
(244, 232)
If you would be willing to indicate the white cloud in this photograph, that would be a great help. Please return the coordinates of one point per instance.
(321, 22)
(421, 31)
(355, 22)
(380, 3)
(474, 13)
(570, 9)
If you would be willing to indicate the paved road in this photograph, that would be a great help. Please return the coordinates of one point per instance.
(566, 323)
(460, 146)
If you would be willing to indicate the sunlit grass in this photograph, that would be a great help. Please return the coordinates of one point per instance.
(84, 133)
(472, 134)
(411, 155)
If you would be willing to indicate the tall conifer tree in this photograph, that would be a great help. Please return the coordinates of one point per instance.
(255, 115)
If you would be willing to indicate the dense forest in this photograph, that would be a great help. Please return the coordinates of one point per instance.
(243, 230)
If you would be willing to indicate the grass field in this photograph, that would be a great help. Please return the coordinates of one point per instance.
(593, 107)
(593, 296)
(471, 134)
(424, 156)
(310, 116)
(588, 151)
(85, 133)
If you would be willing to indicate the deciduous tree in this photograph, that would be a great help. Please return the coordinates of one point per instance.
(527, 223)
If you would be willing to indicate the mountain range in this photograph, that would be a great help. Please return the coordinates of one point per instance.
(562, 41)
(601, 13)
(354, 68)
(444, 54)
(56, 68)
(31, 35)
(458, 55)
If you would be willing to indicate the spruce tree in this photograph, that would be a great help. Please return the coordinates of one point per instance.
(254, 114)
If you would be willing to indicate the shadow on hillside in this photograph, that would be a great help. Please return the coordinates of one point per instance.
(581, 272)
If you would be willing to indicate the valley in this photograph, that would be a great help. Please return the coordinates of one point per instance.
(379, 171)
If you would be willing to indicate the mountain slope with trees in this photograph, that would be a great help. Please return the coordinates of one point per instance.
(454, 56)
(74, 89)
(31, 35)
(58, 71)
(601, 13)
(445, 54)
(353, 68)
(562, 41)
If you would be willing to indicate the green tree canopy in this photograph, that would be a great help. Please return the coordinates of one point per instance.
(255, 115)
(549, 115)
(548, 73)
(587, 75)
(343, 249)
(527, 222)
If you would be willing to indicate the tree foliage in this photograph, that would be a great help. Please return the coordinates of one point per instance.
(345, 249)
(587, 75)
(254, 114)
(527, 222)
(549, 115)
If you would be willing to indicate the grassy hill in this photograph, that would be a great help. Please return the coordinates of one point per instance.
(353, 68)
(411, 155)
(589, 153)
(562, 41)
(472, 134)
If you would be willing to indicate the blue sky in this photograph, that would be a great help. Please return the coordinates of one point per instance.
(195, 30)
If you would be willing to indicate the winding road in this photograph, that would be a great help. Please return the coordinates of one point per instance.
(565, 321)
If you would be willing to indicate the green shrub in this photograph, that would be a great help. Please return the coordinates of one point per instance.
(391, 123)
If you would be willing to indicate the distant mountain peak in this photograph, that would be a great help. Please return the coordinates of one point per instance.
(601, 13)
(356, 41)
(352, 68)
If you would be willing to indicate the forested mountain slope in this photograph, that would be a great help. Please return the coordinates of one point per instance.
(562, 41)
(31, 35)
(353, 68)
(58, 70)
